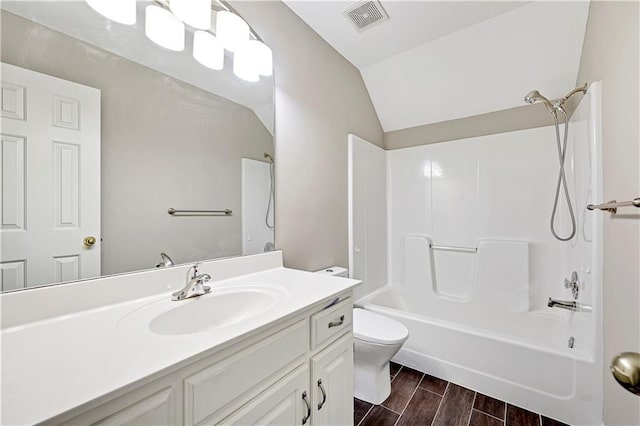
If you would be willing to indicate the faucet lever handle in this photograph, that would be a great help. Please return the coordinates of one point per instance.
(573, 284)
(193, 268)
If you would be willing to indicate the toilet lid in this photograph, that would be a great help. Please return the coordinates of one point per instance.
(375, 328)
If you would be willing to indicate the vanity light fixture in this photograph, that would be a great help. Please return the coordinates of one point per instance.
(165, 25)
(122, 11)
(264, 57)
(164, 28)
(195, 13)
(231, 30)
(244, 62)
(251, 60)
(208, 50)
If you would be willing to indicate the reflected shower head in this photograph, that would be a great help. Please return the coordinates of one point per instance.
(535, 96)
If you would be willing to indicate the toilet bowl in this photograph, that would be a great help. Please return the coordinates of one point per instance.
(376, 340)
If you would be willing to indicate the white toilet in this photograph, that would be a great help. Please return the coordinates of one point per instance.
(376, 340)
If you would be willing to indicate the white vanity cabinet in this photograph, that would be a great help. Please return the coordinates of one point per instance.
(284, 403)
(332, 382)
(298, 371)
(156, 409)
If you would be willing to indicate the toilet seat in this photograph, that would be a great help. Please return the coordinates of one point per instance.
(374, 328)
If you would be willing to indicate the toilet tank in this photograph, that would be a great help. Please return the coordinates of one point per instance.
(335, 271)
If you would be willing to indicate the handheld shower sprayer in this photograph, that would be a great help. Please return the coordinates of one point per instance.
(271, 200)
(535, 96)
(553, 107)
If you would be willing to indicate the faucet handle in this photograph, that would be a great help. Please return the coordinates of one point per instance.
(193, 268)
(573, 284)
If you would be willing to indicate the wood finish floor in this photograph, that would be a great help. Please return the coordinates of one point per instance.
(421, 399)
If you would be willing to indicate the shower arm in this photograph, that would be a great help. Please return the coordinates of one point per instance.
(558, 103)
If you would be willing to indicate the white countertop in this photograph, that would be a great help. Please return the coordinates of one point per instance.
(54, 365)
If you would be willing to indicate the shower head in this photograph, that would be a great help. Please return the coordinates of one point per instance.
(535, 96)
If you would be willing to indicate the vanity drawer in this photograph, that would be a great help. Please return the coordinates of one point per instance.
(242, 374)
(331, 322)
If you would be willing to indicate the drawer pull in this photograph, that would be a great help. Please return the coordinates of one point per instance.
(337, 323)
(306, 401)
(324, 394)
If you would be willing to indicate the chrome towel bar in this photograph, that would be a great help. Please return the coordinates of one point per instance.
(612, 206)
(454, 248)
(225, 212)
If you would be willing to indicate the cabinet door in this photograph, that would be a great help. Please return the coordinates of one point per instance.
(332, 382)
(157, 409)
(284, 403)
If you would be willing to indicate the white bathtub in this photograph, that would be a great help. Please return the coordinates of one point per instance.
(521, 358)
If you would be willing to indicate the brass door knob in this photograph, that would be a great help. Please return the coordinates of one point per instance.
(625, 368)
(89, 241)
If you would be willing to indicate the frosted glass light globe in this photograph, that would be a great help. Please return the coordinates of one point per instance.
(231, 30)
(208, 50)
(122, 11)
(196, 13)
(163, 28)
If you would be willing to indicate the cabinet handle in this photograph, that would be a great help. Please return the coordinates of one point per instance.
(306, 401)
(324, 394)
(337, 323)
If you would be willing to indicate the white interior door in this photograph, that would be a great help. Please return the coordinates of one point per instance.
(50, 179)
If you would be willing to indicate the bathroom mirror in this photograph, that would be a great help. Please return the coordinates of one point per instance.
(104, 131)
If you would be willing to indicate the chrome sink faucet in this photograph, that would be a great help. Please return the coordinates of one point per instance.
(194, 286)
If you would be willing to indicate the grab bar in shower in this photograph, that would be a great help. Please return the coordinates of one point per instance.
(454, 248)
(612, 206)
(225, 212)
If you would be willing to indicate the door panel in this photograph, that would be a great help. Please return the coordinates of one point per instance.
(50, 179)
(281, 404)
(332, 372)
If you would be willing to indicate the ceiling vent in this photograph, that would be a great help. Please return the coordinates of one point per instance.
(366, 14)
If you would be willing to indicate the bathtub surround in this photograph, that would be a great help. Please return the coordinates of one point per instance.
(471, 261)
(367, 215)
(610, 53)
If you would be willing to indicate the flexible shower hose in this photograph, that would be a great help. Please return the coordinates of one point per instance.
(562, 179)
(271, 191)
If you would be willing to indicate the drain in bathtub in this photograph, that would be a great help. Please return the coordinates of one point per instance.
(571, 342)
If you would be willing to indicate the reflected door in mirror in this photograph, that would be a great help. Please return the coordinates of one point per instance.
(50, 179)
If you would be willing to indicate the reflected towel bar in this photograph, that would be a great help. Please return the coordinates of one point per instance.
(454, 248)
(612, 206)
(225, 212)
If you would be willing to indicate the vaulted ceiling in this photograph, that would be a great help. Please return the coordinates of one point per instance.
(434, 61)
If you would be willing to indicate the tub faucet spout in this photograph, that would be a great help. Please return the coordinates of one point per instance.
(569, 305)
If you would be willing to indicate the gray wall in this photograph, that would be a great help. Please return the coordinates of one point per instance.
(508, 120)
(610, 53)
(164, 144)
(320, 98)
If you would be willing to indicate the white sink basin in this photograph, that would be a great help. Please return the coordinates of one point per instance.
(223, 307)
